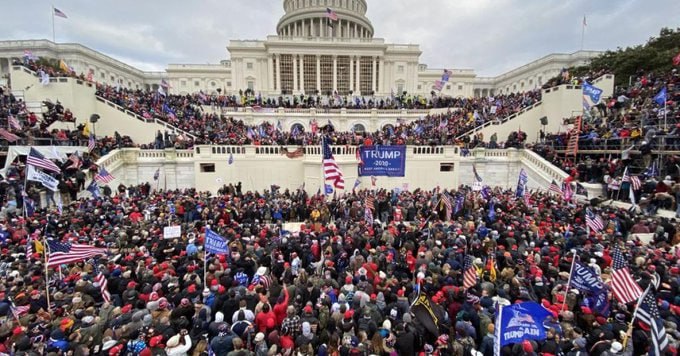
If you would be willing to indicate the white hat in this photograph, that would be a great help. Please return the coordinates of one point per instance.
(259, 337)
(616, 347)
(261, 271)
(109, 344)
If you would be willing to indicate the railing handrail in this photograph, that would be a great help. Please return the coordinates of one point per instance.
(141, 118)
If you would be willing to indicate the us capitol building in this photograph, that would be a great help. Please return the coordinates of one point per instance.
(309, 54)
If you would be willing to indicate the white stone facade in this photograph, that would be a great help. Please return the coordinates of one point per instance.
(309, 54)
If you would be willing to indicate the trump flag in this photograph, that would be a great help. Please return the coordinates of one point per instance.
(523, 321)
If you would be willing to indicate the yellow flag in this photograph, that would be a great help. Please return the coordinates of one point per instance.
(63, 66)
(38, 247)
(86, 130)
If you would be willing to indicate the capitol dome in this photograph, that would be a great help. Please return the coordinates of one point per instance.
(308, 18)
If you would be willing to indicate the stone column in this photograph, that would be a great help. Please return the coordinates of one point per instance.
(318, 73)
(358, 82)
(351, 73)
(278, 73)
(302, 73)
(270, 73)
(295, 77)
(373, 76)
(381, 75)
(335, 73)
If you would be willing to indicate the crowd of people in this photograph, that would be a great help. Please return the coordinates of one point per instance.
(341, 283)
(186, 113)
(638, 128)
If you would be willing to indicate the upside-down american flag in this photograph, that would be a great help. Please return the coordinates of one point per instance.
(469, 273)
(648, 313)
(624, 286)
(104, 176)
(59, 253)
(331, 170)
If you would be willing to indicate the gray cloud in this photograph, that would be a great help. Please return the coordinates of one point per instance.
(490, 36)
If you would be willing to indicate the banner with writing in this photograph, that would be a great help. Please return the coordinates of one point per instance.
(387, 161)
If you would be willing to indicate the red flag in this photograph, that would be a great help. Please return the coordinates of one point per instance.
(676, 60)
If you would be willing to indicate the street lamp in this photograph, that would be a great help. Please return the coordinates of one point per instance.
(93, 119)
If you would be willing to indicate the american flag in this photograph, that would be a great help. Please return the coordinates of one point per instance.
(157, 174)
(374, 180)
(331, 170)
(370, 202)
(29, 247)
(634, 180)
(554, 188)
(74, 158)
(59, 253)
(91, 143)
(594, 221)
(438, 85)
(10, 137)
(104, 176)
(648, 313)
(624, 286)
(469, 273)
(18, 311)
(59, 13)
(447, 203)
(331, 14)
(13, 122)
(100, 279)
(36, 159)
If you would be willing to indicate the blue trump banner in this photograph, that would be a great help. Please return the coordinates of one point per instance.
(523, 321)
(214, 243)
(387, 161)
(591, 95)
(585, 279)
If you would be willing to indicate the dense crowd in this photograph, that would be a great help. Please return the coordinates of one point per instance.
(341, 285)
(186, 113)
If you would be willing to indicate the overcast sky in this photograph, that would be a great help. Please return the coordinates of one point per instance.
(489, 36)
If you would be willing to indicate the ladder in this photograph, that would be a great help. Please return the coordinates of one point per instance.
(572, 144)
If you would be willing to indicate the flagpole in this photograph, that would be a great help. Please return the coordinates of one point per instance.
(571, 272)
(46, 252)
(630, 325)
(665, 113)
(53, 33)
(497, 330)
(583, 31)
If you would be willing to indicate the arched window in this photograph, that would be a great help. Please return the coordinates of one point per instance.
(359, 128)
(297, 127)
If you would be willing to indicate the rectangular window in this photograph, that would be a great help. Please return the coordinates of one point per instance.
(460, 87)
(286, 73)
(343, 75)
(274, 72)
(326, 75)
(448, 86)
(103, 76)
(400, 88)
(249, 65)
(183, 83)
(251, 85)
(446, 167)
(366, 77)
(228, 84)
(196, 83)
(310, 74)
(400, 69)
(420, 87)
(207, 167)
